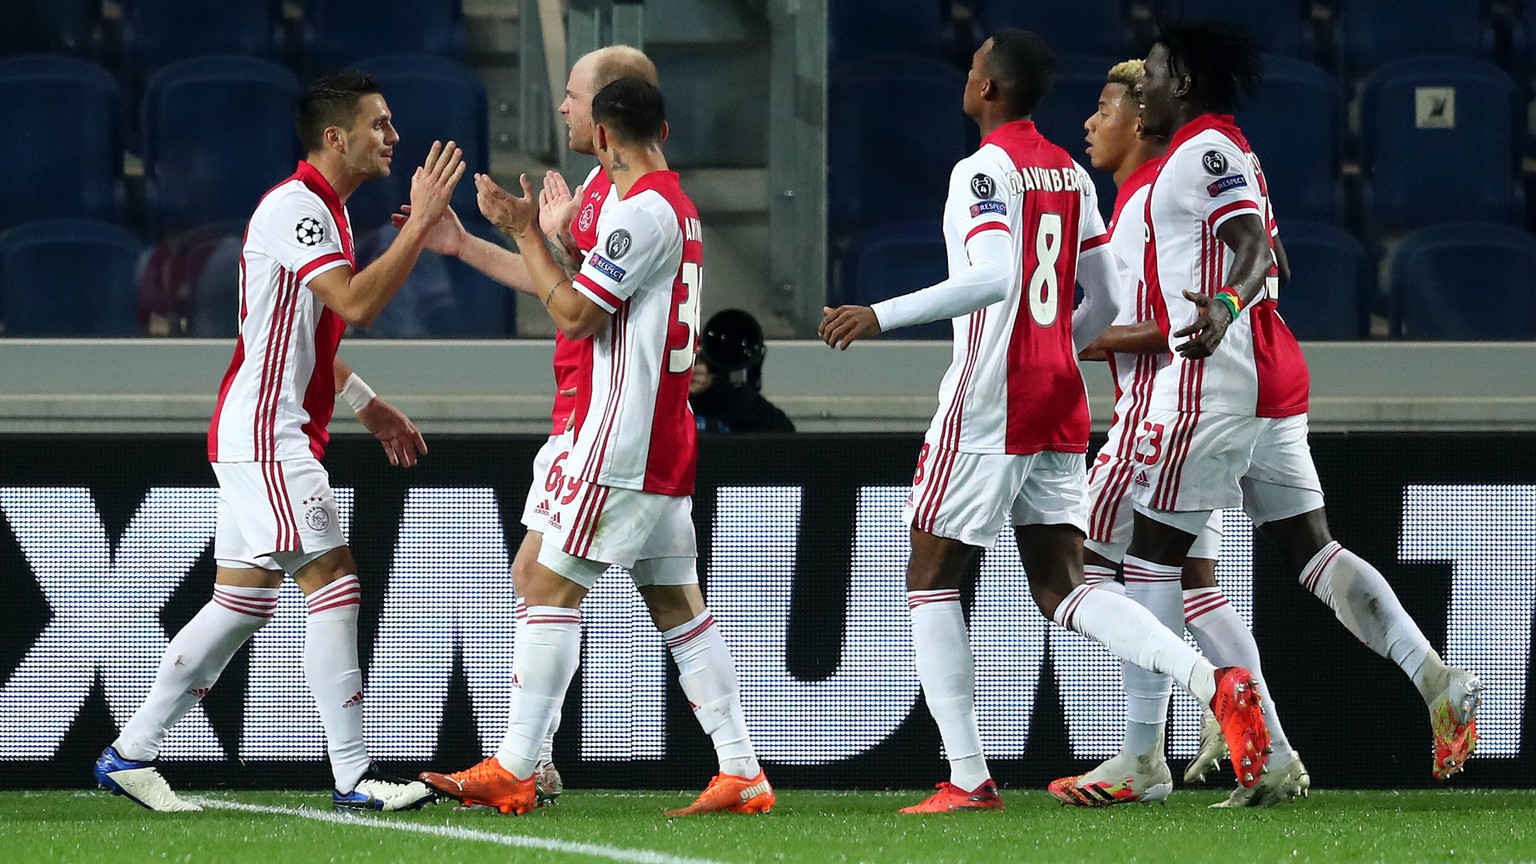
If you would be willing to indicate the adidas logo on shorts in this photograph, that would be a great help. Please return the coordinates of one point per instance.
(1141, 480)
(554, 521)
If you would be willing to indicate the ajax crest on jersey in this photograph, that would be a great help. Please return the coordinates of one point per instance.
(309, 231)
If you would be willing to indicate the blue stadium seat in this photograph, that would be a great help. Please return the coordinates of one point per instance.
(218, 133)
(160, 32)
(715, 100)
(897, 259)
(886, 164)
(68, 277)
(63, 163)
(1437, 272)
(56, 27)
(338, 32)
(1080, 27)
(1438, 136)
(1295, 124)
(867, 28)
(1281, 26)
(1060, 116)
(1376, 33)
(431, 99)
(1332, 278)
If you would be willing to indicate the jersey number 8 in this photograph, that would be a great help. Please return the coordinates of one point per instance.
(1043, 287)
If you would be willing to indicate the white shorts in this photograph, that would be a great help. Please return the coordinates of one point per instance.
(1195, 463)
(550, 483)
(1110, 512)
(966, 496)
(274, 515)
(603, 525)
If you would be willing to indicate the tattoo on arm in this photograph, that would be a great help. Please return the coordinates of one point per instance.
(563, 256)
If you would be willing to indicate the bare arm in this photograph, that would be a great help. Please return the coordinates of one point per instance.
(359, 297)
(1246, 237)
(575, 315)
(1143, 337)
(1282, 262)
(449, 238)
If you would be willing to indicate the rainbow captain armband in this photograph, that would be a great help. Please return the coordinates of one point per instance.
(1228, 297)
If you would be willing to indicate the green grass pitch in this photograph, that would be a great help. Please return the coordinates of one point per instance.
(294, 827)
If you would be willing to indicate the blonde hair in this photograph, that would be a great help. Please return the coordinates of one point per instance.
(1127, 73)
(621, 61)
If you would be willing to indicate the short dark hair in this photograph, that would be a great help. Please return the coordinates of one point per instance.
(632, 108)
(330, 100)
(1223, 62)
(1024, 66)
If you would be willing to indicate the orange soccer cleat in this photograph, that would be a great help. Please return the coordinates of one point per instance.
(728, 793)
(1453, 718)
(486, 784)
(951, 798)
(1237, 708)
(1122, 779)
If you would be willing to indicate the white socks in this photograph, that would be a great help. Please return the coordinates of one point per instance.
(1365, 604)
(551, 640)
(546, 749)
(708, 677)
(948, 673)
(1132, 633)
(1157, 587)
(1227, 641)
(331, 668)
(193, 662)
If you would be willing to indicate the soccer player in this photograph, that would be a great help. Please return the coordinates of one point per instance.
(1227, 423)
(1021, 228)
(1136, 349)
(277, 513)
(632, 461)
(570, 225)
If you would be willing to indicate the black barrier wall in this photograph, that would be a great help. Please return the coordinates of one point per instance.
(105, 551)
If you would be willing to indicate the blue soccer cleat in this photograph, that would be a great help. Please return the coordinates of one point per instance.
(139, 782)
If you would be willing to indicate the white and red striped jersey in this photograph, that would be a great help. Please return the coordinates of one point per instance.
(1133, 373)
(646, 269)
(573, 357)
(1013, 384)
(1210, 175)
(280, 390)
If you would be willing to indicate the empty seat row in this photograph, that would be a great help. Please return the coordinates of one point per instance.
(1440, 143)
(218, 132)
(155, 33)
(1330, 295)
(71, 277)
(1352, 36)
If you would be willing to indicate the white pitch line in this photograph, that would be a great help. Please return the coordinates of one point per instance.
(595, 850)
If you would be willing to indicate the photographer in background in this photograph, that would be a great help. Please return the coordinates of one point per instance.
(727, 378)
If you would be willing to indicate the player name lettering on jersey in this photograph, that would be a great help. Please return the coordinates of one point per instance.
(1029, 178)
(692, 230)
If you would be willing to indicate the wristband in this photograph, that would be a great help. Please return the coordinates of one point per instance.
(356, 392)
(1230, 298)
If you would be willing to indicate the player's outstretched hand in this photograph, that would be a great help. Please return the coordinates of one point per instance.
(402, 441)
(511, 214)
(844, 325)
(1207, 331)
(445, 238)
(433, 183)
(557, 204)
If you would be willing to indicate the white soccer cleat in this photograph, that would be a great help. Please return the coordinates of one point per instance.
(1275, 786)
(1453, 718)
(548, 783)
(1213, 749)
(1121, 779)
(379, 792)
(139, 782)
